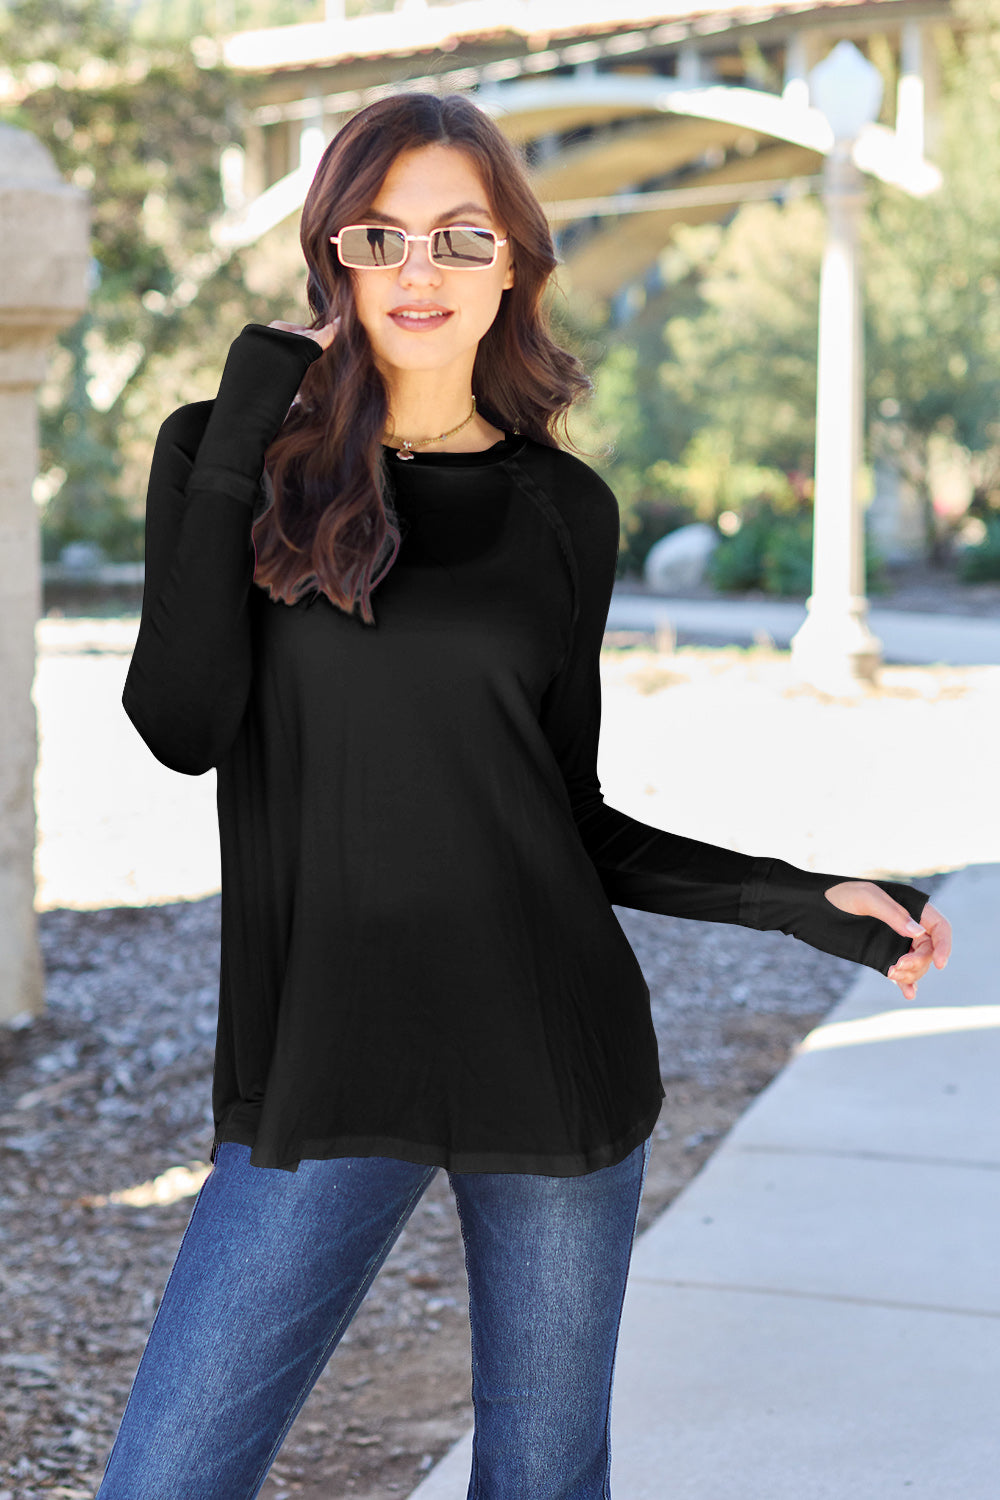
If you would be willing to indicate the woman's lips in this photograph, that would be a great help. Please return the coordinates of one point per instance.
(419, 319)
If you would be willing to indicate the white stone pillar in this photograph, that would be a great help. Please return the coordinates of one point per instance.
(44, 260)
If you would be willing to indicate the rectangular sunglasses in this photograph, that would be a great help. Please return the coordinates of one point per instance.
(459, 247)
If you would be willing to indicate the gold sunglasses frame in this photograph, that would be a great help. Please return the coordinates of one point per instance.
(408, 238)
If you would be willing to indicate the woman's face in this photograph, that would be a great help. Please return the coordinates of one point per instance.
(424, 189)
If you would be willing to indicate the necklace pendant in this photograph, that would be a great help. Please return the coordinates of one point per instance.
(404, 452)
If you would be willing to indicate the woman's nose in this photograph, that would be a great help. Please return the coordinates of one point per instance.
(418, 266)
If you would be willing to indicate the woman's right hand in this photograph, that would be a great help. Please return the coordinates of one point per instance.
(323, 336)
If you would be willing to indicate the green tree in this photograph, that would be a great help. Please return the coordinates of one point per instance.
(739, 372)
(933, 275)
(746, 356)
(633, 425)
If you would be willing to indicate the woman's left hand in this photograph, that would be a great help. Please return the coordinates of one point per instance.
(862, 898)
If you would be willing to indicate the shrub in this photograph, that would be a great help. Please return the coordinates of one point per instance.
(738, 560)
(759, 555)
(786, 565)
(772, 551)
(981, 564)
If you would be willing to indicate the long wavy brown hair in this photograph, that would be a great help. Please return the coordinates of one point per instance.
(331, 527)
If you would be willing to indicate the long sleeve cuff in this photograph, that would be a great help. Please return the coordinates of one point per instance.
(263, 371)
(778, 896)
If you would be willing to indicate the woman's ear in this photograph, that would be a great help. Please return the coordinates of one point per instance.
(508, 280)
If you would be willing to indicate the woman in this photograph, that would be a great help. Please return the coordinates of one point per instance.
(388, 646)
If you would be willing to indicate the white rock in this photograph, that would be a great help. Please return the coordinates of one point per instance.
(678, 559)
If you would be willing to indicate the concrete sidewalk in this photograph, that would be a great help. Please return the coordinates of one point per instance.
(953, 640)
(817, 1315)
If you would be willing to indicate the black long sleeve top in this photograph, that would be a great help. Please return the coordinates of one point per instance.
(419, 956)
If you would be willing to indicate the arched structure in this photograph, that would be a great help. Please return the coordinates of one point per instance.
(605, 100)
(650, 131)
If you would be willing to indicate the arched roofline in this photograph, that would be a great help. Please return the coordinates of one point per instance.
(752, 109)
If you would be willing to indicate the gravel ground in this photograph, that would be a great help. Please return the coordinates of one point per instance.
(105, 1099)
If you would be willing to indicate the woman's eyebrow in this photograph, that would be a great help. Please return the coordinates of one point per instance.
(372, 215)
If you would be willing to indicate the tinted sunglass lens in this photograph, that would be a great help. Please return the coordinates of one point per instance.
(370, 246)
(463, 247)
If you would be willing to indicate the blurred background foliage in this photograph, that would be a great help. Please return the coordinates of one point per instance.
(143, 135)
(705, 398)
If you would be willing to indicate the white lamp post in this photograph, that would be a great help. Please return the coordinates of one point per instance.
(834, 648)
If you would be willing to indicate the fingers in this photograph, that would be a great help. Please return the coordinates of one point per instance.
(907, 982)
(912, 966)
(324, 336)
(939, 929)
(906, 971)
(328, 332)
(934, 947)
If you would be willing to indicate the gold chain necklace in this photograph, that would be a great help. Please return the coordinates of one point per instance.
(408, 444)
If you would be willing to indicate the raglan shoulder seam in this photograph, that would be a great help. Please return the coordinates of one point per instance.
(575, 488)
(186, 425)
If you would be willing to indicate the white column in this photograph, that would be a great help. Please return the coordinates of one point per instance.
(255, 176)
(910, 90)
(690, 65)
(44, 263)
(796, 85)
(834, 648)
(931, 68)
(232, 171)
(546, 148)
(312, 136)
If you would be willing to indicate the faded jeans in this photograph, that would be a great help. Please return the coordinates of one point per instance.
(273, 1266)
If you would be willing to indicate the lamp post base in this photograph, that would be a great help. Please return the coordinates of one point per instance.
(834, 649)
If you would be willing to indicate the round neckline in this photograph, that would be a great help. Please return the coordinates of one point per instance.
(498, 453)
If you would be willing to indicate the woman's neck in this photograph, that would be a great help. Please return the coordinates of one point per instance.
(428, 404)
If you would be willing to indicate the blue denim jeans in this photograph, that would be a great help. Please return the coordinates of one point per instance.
(273, 1266)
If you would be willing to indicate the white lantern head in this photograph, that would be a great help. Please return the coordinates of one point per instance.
(847, 88)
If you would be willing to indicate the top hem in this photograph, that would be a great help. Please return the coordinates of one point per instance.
(558, 1164)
